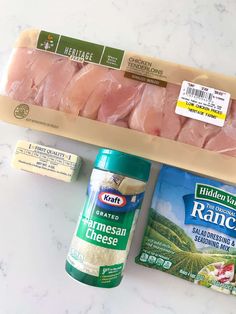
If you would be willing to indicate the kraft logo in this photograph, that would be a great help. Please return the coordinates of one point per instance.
(112, 199)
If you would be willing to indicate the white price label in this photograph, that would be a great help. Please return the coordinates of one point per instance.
(203, 103)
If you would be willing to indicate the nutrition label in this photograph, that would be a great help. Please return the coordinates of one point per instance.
(203, 103)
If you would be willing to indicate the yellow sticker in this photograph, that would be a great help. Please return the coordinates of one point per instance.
(203, 103)
(202, 111)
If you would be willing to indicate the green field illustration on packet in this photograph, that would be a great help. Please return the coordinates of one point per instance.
(188, 236)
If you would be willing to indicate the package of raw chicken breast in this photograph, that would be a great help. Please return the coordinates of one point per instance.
(174, 114)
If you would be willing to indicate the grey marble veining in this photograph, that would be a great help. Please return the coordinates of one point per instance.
(38, 214)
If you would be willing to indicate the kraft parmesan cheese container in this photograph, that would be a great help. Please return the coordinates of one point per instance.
(102, 239)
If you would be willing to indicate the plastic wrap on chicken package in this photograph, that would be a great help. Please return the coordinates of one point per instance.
(162, 111)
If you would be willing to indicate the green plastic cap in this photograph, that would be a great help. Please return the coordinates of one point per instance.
(122, 163)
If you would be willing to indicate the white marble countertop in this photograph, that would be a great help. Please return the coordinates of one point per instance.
(38, 214)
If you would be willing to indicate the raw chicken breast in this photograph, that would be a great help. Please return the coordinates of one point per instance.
(94, 102)
(148, 114)
(121, 96)
(81, 87)
(124, 123)
(225, 141)
(53, 86)
(172, 122)
(96, 92)
(197, 133)
(27, 70)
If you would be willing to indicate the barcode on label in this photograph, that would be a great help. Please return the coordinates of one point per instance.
(198, 93)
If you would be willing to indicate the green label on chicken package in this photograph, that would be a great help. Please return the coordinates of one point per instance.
(191, 230)
(80, 50)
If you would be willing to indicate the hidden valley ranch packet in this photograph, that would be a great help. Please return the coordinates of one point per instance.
(191, 231)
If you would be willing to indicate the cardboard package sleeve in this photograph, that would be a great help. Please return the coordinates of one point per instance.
(130, 141)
